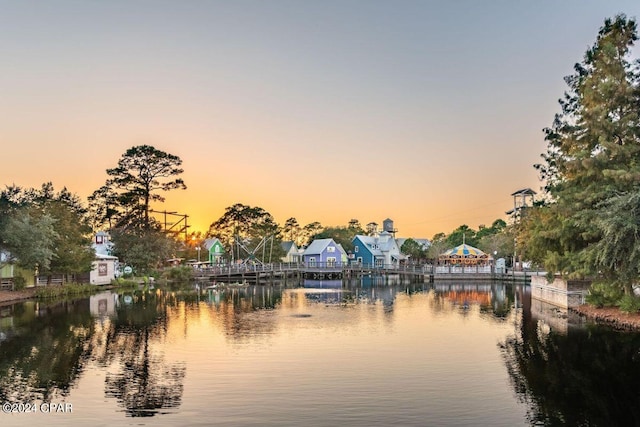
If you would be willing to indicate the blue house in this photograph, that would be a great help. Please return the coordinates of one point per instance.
(381, 251)
(322, 253)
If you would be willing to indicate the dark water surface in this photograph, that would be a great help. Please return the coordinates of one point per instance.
(365, 353)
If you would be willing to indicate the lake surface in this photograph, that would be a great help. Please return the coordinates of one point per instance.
(365, 353)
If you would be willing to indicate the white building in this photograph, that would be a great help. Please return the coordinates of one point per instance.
(105, 267)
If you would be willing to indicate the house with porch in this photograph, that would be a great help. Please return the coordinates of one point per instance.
(215, 251)
(379, 251)
(323, 253)
(6, 271)
(291, 251)
(12, 276)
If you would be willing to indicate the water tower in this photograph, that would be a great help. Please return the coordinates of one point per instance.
(387, 225)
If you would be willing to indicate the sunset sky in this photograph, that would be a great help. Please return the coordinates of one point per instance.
(427, 112)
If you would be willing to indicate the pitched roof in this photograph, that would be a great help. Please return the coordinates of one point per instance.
(286, 246)
(524, 191)
(317, 246)
(208, 244)
(383, 245)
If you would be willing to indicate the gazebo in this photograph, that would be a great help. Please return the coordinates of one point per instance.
(465, 255)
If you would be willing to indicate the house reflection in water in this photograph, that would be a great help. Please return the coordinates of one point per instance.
(332, 284)
(103, 304)
(324, 291)
(482, 294)
(366, 290)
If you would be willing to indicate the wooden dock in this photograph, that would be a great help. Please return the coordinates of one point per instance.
(257, 273)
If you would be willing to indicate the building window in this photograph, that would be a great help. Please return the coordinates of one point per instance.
(102, 269)
(331, 261)
(355, 249)
(331, 249)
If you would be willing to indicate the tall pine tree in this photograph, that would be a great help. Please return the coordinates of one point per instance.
(593, 154)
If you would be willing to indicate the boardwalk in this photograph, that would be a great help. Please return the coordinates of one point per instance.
(265, 272)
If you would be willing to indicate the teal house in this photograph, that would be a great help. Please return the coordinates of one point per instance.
(216, 250)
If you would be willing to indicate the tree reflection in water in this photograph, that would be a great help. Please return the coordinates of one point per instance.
(588, 376)
(145, 384)
(50, 345)
(48, 352)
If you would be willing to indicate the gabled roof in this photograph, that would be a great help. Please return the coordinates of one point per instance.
(524, 191)
(208, 244)
(383, 245)
(287, 246)
(318, 246)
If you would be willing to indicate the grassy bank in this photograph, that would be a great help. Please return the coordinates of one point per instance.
(70, 289)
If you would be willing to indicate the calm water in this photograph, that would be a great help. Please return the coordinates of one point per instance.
(367, 353)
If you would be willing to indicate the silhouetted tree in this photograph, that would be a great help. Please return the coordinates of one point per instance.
(134, 183)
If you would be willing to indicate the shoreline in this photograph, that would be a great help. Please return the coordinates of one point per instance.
(609, 316)
(10, 297)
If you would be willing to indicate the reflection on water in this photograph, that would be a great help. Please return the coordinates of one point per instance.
(143, 383)
(371, 351)
(45, 349)
(570, 372)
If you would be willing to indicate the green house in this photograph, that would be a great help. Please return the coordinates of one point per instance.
(216, 251)
(9, 272)
(6, 276)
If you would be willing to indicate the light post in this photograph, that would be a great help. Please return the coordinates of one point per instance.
(515, 255)
(198, 249)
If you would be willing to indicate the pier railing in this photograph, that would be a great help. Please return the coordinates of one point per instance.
(466, 269)
(286, 268)
(235, 269)
(239, 269)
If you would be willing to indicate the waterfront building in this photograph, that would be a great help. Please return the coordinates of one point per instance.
(323, 253)
(105, 266)
(380, 251)
(291, 251)
(215, 250)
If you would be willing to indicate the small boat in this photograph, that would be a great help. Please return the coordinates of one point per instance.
(222, 285)
(238, 285)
